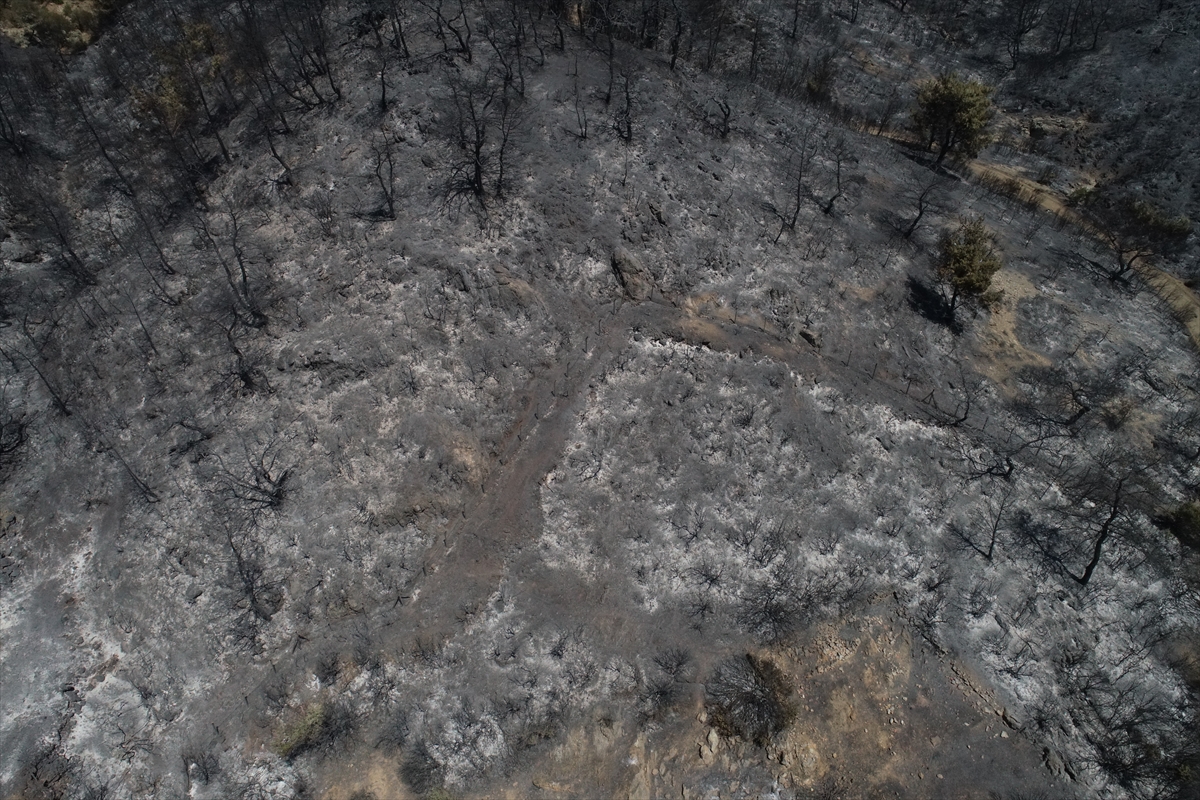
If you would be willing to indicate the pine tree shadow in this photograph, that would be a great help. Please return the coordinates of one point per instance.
(929, 303)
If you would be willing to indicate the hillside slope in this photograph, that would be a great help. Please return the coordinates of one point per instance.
(455, 399)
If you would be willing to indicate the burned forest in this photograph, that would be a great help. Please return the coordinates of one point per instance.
(614, 398)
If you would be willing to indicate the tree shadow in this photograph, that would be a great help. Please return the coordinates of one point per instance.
(929, 303)
(966, 541)
(918, 154)
(1055, 545)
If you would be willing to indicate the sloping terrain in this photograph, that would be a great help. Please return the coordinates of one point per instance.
(436, 400)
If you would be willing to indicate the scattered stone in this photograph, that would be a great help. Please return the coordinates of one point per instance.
(1053, 762)
(549, 785)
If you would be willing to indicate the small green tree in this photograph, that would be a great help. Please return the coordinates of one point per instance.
(954, 114)
(966, 263)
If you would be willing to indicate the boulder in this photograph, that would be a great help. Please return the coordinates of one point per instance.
(632, 274)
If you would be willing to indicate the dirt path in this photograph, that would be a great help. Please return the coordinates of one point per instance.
(473, 555)
(1183, 302)
(1026, 190)
(467, 565)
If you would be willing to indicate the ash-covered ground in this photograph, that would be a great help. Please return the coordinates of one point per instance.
(495, 407)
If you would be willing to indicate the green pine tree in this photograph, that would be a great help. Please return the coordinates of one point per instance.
(967, 261)
(954, 114)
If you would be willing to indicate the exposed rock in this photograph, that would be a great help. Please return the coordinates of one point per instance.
(632, 274)
(1053, 761)
(658, 214)
(1010, 720)
(811, 337)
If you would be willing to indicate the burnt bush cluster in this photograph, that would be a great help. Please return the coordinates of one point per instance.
(750, 697)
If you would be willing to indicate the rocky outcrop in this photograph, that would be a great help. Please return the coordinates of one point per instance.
(632, 274)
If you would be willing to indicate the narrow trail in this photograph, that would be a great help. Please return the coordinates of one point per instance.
(475, 552)
(468, 562)
(472, 556)
(1182, 301)
(1179, 298)
(488, 543)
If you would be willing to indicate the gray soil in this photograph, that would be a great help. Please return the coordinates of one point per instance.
(490, 499)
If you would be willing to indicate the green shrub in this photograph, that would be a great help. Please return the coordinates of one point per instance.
(1185, 523)
(52, 28)
(1155, 220)
(18, 13)
(954, 113)
(1081, 195)
(69, 25)
(302, 734)
(85, 18)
